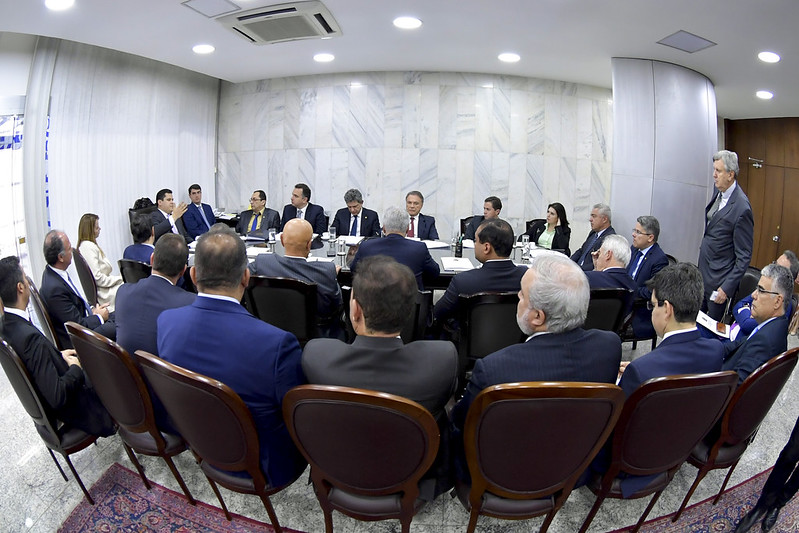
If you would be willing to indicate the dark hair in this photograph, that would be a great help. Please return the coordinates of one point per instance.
(141, 227)
(681, 285)
(499, 234)
(162, 194)
(10, 274)
(561, 212)
(219, 260)
(170, 254)
(261, 194)
(794, 261)
(496, 203)
(195, 187)
(142, 202)
(53, 246)
(650, 225)
(415, 193)
(306, 191)
(386, 291)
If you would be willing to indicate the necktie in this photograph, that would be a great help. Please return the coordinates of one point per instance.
(714, 208)
(587, 250)
(172, 222)
(299, 213)
(354, 228)
(202, 214)
(255, 221)
(411, 232)
(635, 263)
(75, 290)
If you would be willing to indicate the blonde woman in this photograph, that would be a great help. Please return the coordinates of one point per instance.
(107, 283)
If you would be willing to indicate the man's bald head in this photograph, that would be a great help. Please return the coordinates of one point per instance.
(296, 237)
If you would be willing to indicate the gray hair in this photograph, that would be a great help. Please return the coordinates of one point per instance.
(619, 246)
(650, 225)
(353, 195)
(396, 220)
(560, 290)
(729, 159)
(781, 281)
(603, 210)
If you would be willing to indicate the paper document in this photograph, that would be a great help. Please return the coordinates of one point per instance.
(349, 240)
(254, 251)
(719, 328)
(468, 243)
(457, 263)
(317, 259)
(436, 244)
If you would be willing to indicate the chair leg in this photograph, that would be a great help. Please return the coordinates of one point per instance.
(137, 464)
(590, 518)
(77, 478)
(646, 511)
(635, 345)
(700, 475)
(654, 342)
(219, 497)
(63, 475)
(473, 515)
(548, 520)
(271, 512)
(179, 479)
(724, 485)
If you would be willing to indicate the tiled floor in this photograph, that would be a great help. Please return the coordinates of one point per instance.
(36, 498)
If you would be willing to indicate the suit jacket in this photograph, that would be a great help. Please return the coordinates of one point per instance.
(193, 220)
(271, 220)
(161, 225)
(683, 353)
(746, 355)
(138, 307)
(493, 276)
(414, 254)
(588, 263)
(257, 360)
(423, 371)
(426, 228)
(368, 223)
(654, 261)
(471, 228)
(726, 248)
(313, 214)
(138, 252)
(63, 387)
(328, 292)
(64, 305)
(559, 242)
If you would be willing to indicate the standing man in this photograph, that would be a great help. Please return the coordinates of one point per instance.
(259, 218)
(647, 260)
(199, 217)
(600, 228)
(301, 207)
(726, 248)
(168, 216)
(421, 226)
(355, 220)
(491, 208)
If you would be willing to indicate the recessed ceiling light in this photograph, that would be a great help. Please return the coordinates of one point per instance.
(768, 57)
(407, 23)
(58, 5)
(509, 57)
(765, 95)
(324, 58)
(203, 48)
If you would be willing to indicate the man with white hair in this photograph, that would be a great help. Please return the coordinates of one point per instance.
(610, 267)
(413, 254)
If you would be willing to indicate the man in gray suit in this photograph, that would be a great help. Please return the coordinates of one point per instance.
(726, 248)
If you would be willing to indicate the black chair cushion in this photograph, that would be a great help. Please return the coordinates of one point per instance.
(506, 507)
(144, 442)
(376, 507)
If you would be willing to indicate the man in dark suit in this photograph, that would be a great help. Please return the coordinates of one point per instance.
(355, 220)
(217, 337)
(610, 268)
(139, 304)
(647, 260)
(553, 303)
(301, 207)
(600, 228)
(264, 217)
(422, 227)
(141, 227)
(62, 298)
(726, 248)
(168, 216)
(57, 375)
(676, 295)
(199, 217)
(769, 338)
(491, 208)
(492, 247)
(410, 253)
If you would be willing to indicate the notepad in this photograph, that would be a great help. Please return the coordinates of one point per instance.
(719, 328)
(457, 263)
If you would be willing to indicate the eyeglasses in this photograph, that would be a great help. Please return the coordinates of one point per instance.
(636, 232)
(761, 290)
(650, 305)
(255, 200)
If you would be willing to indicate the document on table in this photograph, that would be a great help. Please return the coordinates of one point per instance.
(457, 263)
(719, 328)
(436, 244)
(254, 251)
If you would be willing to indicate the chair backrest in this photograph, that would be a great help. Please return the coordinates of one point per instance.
(672, 260)
(132, 271)
(42, 315)
(208, 414)
(487, 323)
(116, 379)
(289, 304)
(464, 223)
(417, 323)
(748, 283)
(365, 442)
(505, 450)
(142, 211)
(665, 418)
(607, 309)
(85, 276)
(529, 223)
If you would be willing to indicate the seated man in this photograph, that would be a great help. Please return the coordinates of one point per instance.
(769, 338)
(259, 218)
(412, 254)
(355, 220)
(217, 337)
(57, 375)
(422, 227)
(296, 239)
(143, 238)
(677, 292)
(61, 297)
(139, 304)
(600, 228)
(199, 217)
(492, 247)
(491, 208)
(610, 268)
(301, 207)
(168, 216)
(647, 260)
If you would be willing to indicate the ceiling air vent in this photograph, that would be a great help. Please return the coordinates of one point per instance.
(283, 22)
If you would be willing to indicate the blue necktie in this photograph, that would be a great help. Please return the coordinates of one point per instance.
(255, 221)
(633, 269)
(202, 214)
(354, 228)
(587, 250)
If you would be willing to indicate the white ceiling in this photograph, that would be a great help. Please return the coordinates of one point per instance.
(569, 40)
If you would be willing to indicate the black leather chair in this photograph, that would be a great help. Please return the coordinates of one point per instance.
(367, 450)
(529, 223)
(132, 271)
(43, 316)
(417, 324)
(746, 287)
(85, 276)
(465, 223)
(289, 304)
(515, 473)
(608, 308)
(142, 211)
(487, 324)
(672, 260)
(626, 332)
(56, 436)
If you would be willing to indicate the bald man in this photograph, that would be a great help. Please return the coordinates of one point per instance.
(296, 239)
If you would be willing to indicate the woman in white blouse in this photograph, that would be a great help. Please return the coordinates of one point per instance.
(107, 283)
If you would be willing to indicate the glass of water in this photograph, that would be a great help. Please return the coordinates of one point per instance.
(332, 232)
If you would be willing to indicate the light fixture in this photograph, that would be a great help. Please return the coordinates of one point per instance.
(765, 95)
(768, 57)
(407, 23)
(324, 58)
(59, 5)
(203, 48)
(509, 57)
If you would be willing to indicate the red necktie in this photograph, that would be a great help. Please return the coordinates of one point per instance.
(411, 233)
